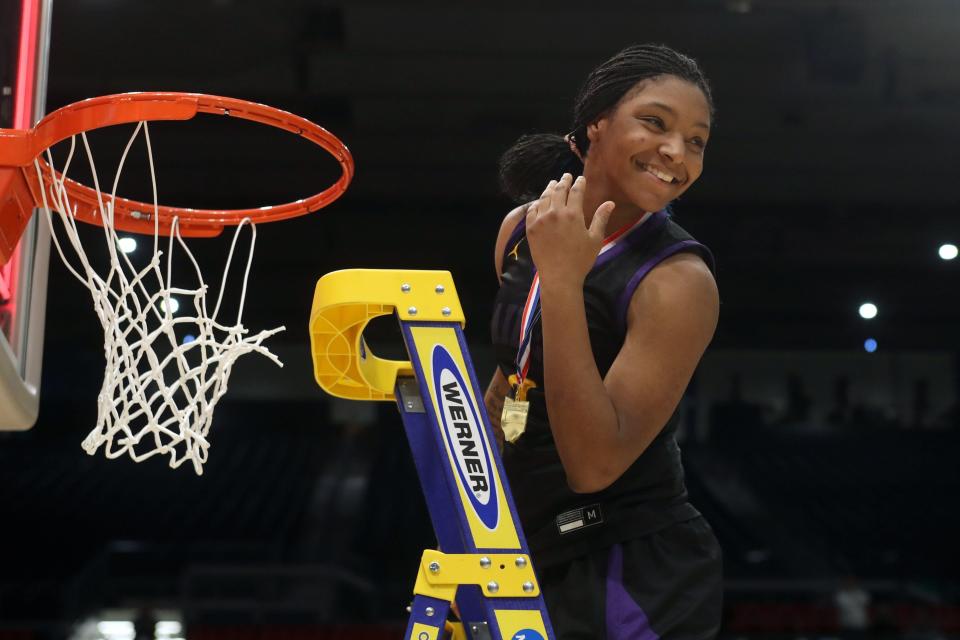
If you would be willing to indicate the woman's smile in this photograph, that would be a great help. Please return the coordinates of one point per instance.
(661, 175)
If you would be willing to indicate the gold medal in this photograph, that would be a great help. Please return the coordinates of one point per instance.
(513, 420)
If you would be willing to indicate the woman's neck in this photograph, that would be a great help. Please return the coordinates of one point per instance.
(597, 193)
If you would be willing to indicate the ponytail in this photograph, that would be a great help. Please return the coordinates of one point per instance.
(532, 162)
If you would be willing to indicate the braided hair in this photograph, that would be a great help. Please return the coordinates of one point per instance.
(536, 159)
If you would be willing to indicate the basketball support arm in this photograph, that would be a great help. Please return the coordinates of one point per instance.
(483, 562)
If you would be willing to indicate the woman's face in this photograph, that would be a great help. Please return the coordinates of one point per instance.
(650, 146)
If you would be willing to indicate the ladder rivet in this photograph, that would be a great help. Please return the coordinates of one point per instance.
(405, 288)
(527, 587)
(439, 288)
(412, 311)
(485, 562)
(434, 567)
(445, 311)
(493, 587)
(521, 563)
(429, 612)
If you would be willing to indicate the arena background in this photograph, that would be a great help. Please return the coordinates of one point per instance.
(827, 464)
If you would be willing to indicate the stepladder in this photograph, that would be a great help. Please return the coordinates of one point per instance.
(482, 562)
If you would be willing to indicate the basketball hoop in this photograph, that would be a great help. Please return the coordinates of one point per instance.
(159, 390)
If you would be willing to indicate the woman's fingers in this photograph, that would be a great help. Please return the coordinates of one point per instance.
(598, 226)
(561, 190)
(541, 203)
(575, 197)
(531, 212)
(559, 194)
(549, 190)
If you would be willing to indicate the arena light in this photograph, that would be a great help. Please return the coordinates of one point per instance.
(116, 629)
(174, 305)
(868, 311)
(869, 345)
(187, 339)
(948, 251)
(127, 244)
(168, 629)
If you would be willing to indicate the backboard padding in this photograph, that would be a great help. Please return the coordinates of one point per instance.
(24, 48)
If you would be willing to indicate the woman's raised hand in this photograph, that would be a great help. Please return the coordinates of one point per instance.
(564, 249)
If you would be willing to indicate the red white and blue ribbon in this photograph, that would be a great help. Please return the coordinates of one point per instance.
(531, 310)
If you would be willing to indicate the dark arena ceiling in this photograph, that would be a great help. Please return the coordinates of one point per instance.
(830, 177)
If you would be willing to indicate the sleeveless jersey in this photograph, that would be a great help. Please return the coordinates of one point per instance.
(650, 495)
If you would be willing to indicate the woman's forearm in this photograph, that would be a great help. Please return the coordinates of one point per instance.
(582, 416)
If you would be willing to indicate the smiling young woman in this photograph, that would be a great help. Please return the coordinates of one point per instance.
(604, 310)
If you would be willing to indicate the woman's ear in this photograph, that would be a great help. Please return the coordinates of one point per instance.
(595, 128)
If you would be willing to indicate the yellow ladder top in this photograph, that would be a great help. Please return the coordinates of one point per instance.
(344, 302)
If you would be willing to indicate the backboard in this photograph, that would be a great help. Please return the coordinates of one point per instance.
(24, 54)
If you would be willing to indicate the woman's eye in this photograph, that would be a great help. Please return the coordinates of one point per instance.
(655, 121)
(699, 142)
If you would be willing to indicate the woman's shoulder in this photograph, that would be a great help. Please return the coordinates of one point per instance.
(679, 237)
(510, 224)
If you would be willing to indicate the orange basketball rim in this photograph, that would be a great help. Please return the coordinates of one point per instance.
(19, 148)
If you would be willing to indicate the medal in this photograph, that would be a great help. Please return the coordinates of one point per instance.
(513, 419)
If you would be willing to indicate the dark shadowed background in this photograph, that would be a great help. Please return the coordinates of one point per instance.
(830, 181)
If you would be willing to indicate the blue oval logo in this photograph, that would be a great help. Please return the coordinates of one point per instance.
(466, 437)
(527, 634)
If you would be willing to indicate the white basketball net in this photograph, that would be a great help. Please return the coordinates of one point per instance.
(159, 391)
